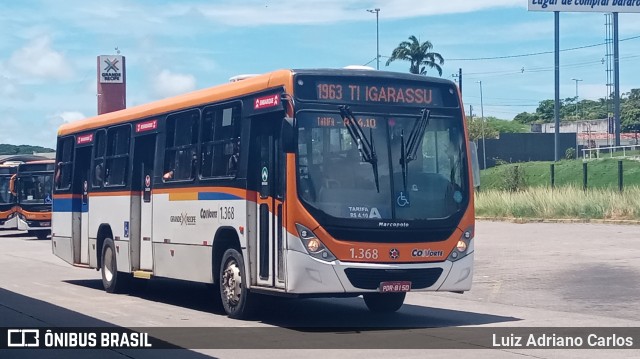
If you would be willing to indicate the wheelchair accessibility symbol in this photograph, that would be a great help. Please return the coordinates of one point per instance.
(402, 200)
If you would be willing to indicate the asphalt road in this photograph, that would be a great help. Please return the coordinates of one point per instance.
(527, 275)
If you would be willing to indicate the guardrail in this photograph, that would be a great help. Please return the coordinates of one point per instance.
(587, 153)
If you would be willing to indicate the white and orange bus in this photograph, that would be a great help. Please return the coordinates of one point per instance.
(33, 188)
(8, 219)
(322, 183)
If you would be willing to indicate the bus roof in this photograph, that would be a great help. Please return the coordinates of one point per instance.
(212, 94)
(222, 92)
(39, 162)
(36, 166)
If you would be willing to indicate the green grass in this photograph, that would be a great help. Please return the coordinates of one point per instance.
(601, 174)
(566, 202)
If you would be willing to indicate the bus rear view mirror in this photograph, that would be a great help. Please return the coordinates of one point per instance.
(475, 164)
(12, 185)
(288, 135)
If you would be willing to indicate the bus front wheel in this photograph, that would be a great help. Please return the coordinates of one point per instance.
(384, 302)
(112, 280)
(237, 301)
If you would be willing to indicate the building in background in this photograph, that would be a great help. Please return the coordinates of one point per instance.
(590, 133)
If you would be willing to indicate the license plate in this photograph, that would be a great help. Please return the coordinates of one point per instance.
(45, 224)
(396, 286)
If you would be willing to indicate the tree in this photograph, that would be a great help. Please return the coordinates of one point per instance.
(525, 118)
(545, 110)
(630, 112)
(475, 126)
(505, 126)
(419, 55)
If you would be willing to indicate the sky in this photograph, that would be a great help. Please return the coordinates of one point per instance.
(48, 50)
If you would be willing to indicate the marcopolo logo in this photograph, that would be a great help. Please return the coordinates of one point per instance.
(425, 253)
(184, 219)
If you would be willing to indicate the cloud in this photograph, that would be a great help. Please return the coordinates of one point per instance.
(70, 116)
(167, 83)
(45, 134)
(10, 127)
(289, 12)
(8, 88)
(39, 61)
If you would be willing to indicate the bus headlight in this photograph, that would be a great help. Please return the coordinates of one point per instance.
(313, 245)
(462, 246)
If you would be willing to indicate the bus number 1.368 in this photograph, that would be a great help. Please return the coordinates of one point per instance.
(361, 253)
(226, 213)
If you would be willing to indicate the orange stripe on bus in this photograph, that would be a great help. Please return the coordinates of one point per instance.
(35, 215)
(193, 99)
(66, 196)
(116, 193)
(183, 196)
(230, 190)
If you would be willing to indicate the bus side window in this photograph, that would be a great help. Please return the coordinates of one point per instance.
(221, 147)
(65, 163)
(180, 158)
(98, 159)
(117, 156)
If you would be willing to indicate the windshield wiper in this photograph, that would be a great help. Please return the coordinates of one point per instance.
(365, 146)
(409, 150)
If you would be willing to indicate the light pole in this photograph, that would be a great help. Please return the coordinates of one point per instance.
(484, 150)
(576, 80)
(377, 11)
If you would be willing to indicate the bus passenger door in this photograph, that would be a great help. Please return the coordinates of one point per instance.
(269, 170)
(142, 203)
(80, 206)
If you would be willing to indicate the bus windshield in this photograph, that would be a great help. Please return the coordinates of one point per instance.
(35, 189)
(5, 195)
(335, 178)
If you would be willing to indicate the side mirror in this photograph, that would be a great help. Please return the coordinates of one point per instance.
(12, 185)
(288, 135)
(475, 164)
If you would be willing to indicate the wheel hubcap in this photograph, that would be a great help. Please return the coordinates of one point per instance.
(232, 282)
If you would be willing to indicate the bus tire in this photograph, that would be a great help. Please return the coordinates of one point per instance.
(42, 235)
(112, 280)
(384, 302)
(237, 301)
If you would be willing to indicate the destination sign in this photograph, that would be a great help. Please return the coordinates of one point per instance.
(380, 92)
(335, 121)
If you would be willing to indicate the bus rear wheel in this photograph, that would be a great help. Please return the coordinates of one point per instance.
(384, 302)
(237, 301)
(112, 280)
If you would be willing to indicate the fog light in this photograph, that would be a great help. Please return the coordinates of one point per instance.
(467, 235)
(461, 246)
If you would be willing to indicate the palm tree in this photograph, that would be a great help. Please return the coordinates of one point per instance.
(418, 54)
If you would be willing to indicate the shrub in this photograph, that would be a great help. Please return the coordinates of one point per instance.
(570, 153)
(514, 179)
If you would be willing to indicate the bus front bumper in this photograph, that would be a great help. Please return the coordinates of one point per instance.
(307, 275)
(29, 225)
(11, 223)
